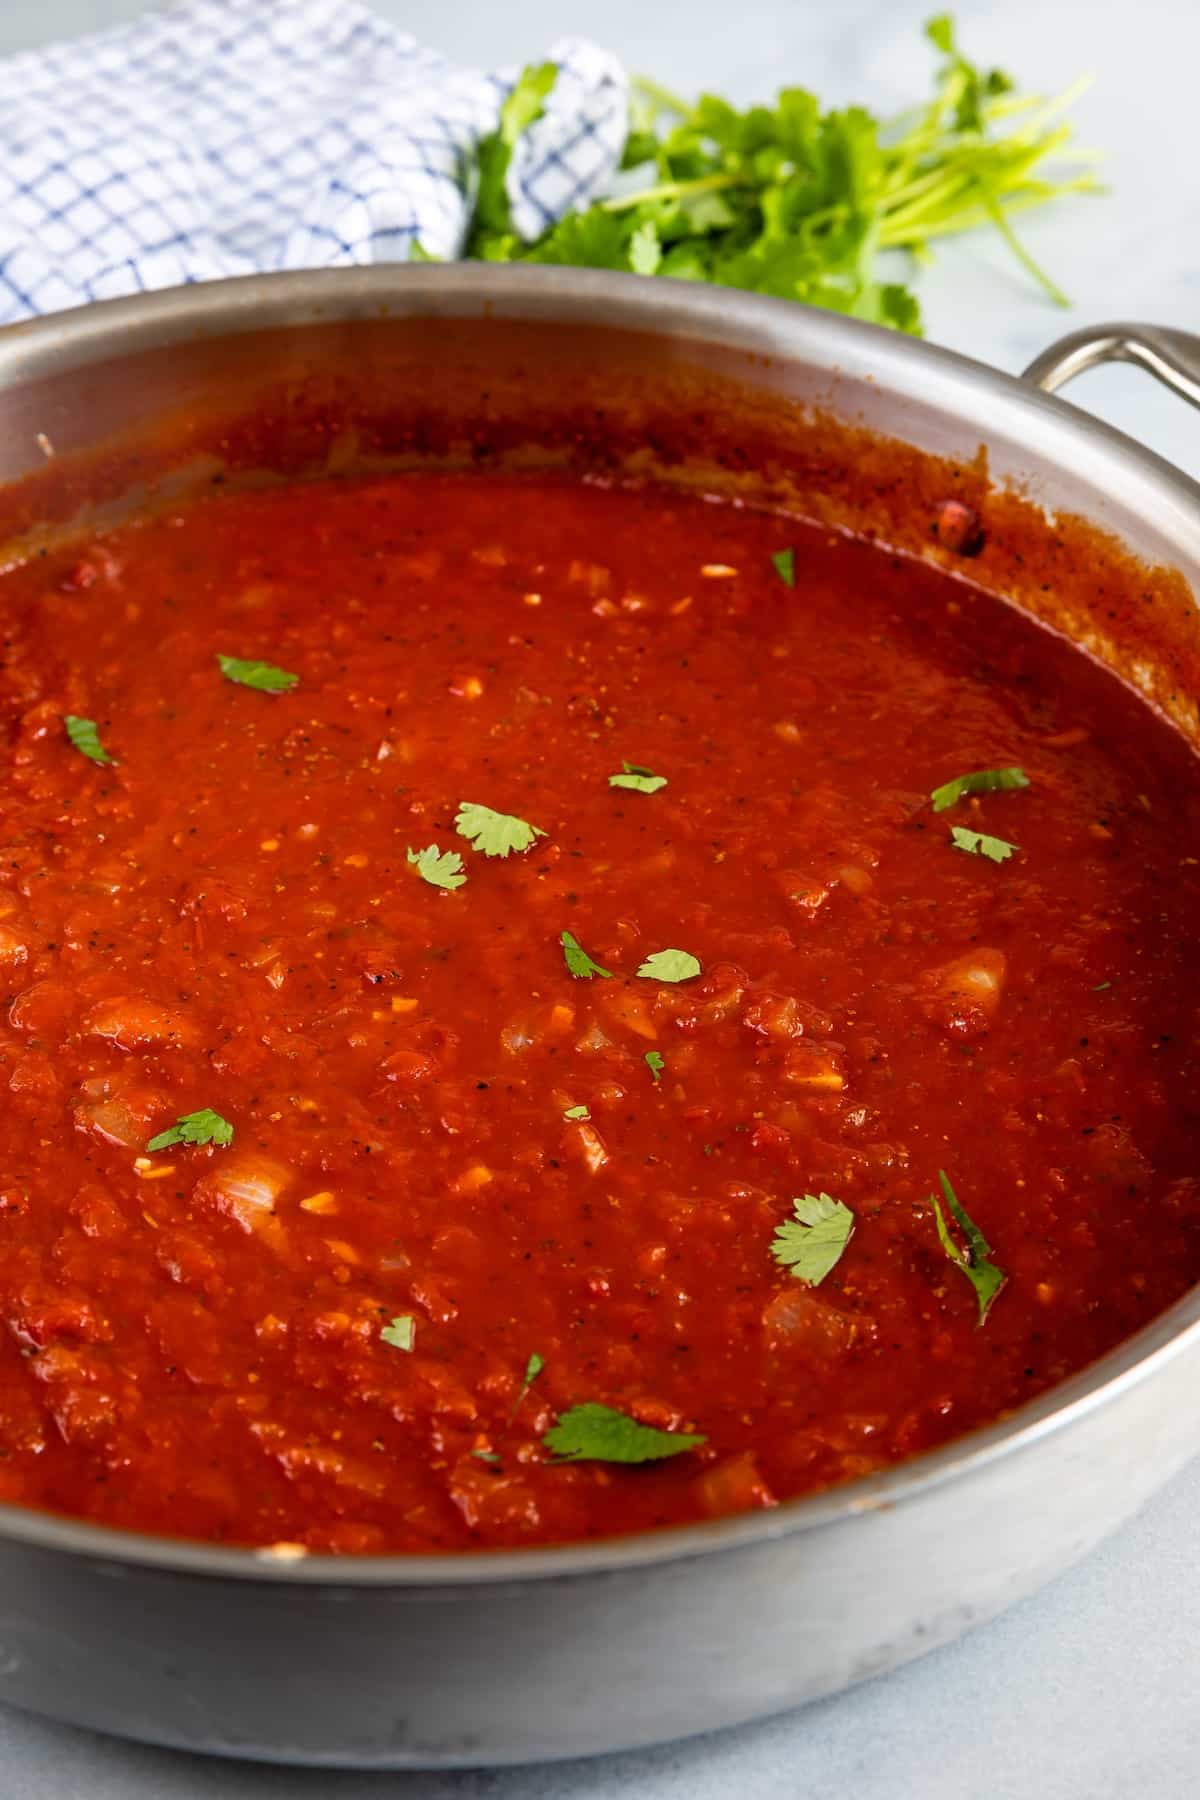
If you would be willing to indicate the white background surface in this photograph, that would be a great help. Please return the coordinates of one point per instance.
(1091, 1690)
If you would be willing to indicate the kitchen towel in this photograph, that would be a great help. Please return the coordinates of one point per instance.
(225, 137)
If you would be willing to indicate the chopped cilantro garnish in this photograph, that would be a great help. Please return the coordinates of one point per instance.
(983, 1275)
(983, 781)
(811, 1243)
(1100, 986)
(670, 965)
(203, 1127)
(977, 843)
(641, 781)
(655, 1064)
(494, 833)
(487, 1456)
(86, 738)
(440, 868)
(785, 566)
(577, 1112)
(578, 962)
(595, 1433)
(401, 1333)
(533, 1369)
(261, 675)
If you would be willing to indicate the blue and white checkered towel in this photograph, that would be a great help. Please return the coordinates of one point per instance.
(221, 137)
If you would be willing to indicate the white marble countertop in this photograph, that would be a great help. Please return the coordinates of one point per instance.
(1088, 1691)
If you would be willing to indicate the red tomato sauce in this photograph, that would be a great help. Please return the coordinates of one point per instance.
(226, 918)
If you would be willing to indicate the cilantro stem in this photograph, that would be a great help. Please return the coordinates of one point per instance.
(996, 214)
(905, 234)
(663, 97)
(673, 190)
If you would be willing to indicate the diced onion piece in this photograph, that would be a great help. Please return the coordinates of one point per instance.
(409, 1067)
(774, 1016)
(631, 1010)
(342, 1250)
(963, 995)
(807, 893)
(472, 1179)
(591, 1146)
(733, 1485)
(135, 1023)
(13, 947)
(114, 1121)
(324, 1202)
(856, 879)
(245, 1187)
(302, 1459)
(815, 1067)
(796, 1319)
(981, 975)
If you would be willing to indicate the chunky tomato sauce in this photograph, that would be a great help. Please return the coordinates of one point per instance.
(226, 918)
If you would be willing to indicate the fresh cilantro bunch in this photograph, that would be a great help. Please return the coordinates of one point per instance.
(791, 200)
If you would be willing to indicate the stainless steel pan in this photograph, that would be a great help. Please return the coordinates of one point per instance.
(505, 1656)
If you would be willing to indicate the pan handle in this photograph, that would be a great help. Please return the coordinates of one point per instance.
(1172, 356)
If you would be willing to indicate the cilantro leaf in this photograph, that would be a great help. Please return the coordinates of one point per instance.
(525, 103)
(533, 1369)
(811, 1243)
(641, 781)
(655, 1064)
(645, 249)
(261, 675)
(982, 781)
(977, 843)
(577, 1112)
(971, 87)
(595, 1433)
(401, 1334)
(494, 833)
(440, 868)
(974, 1261)
(785, 566)
(85, 737)
(578, 962)
(203, 1127)
(595, 239)
(670, 965)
